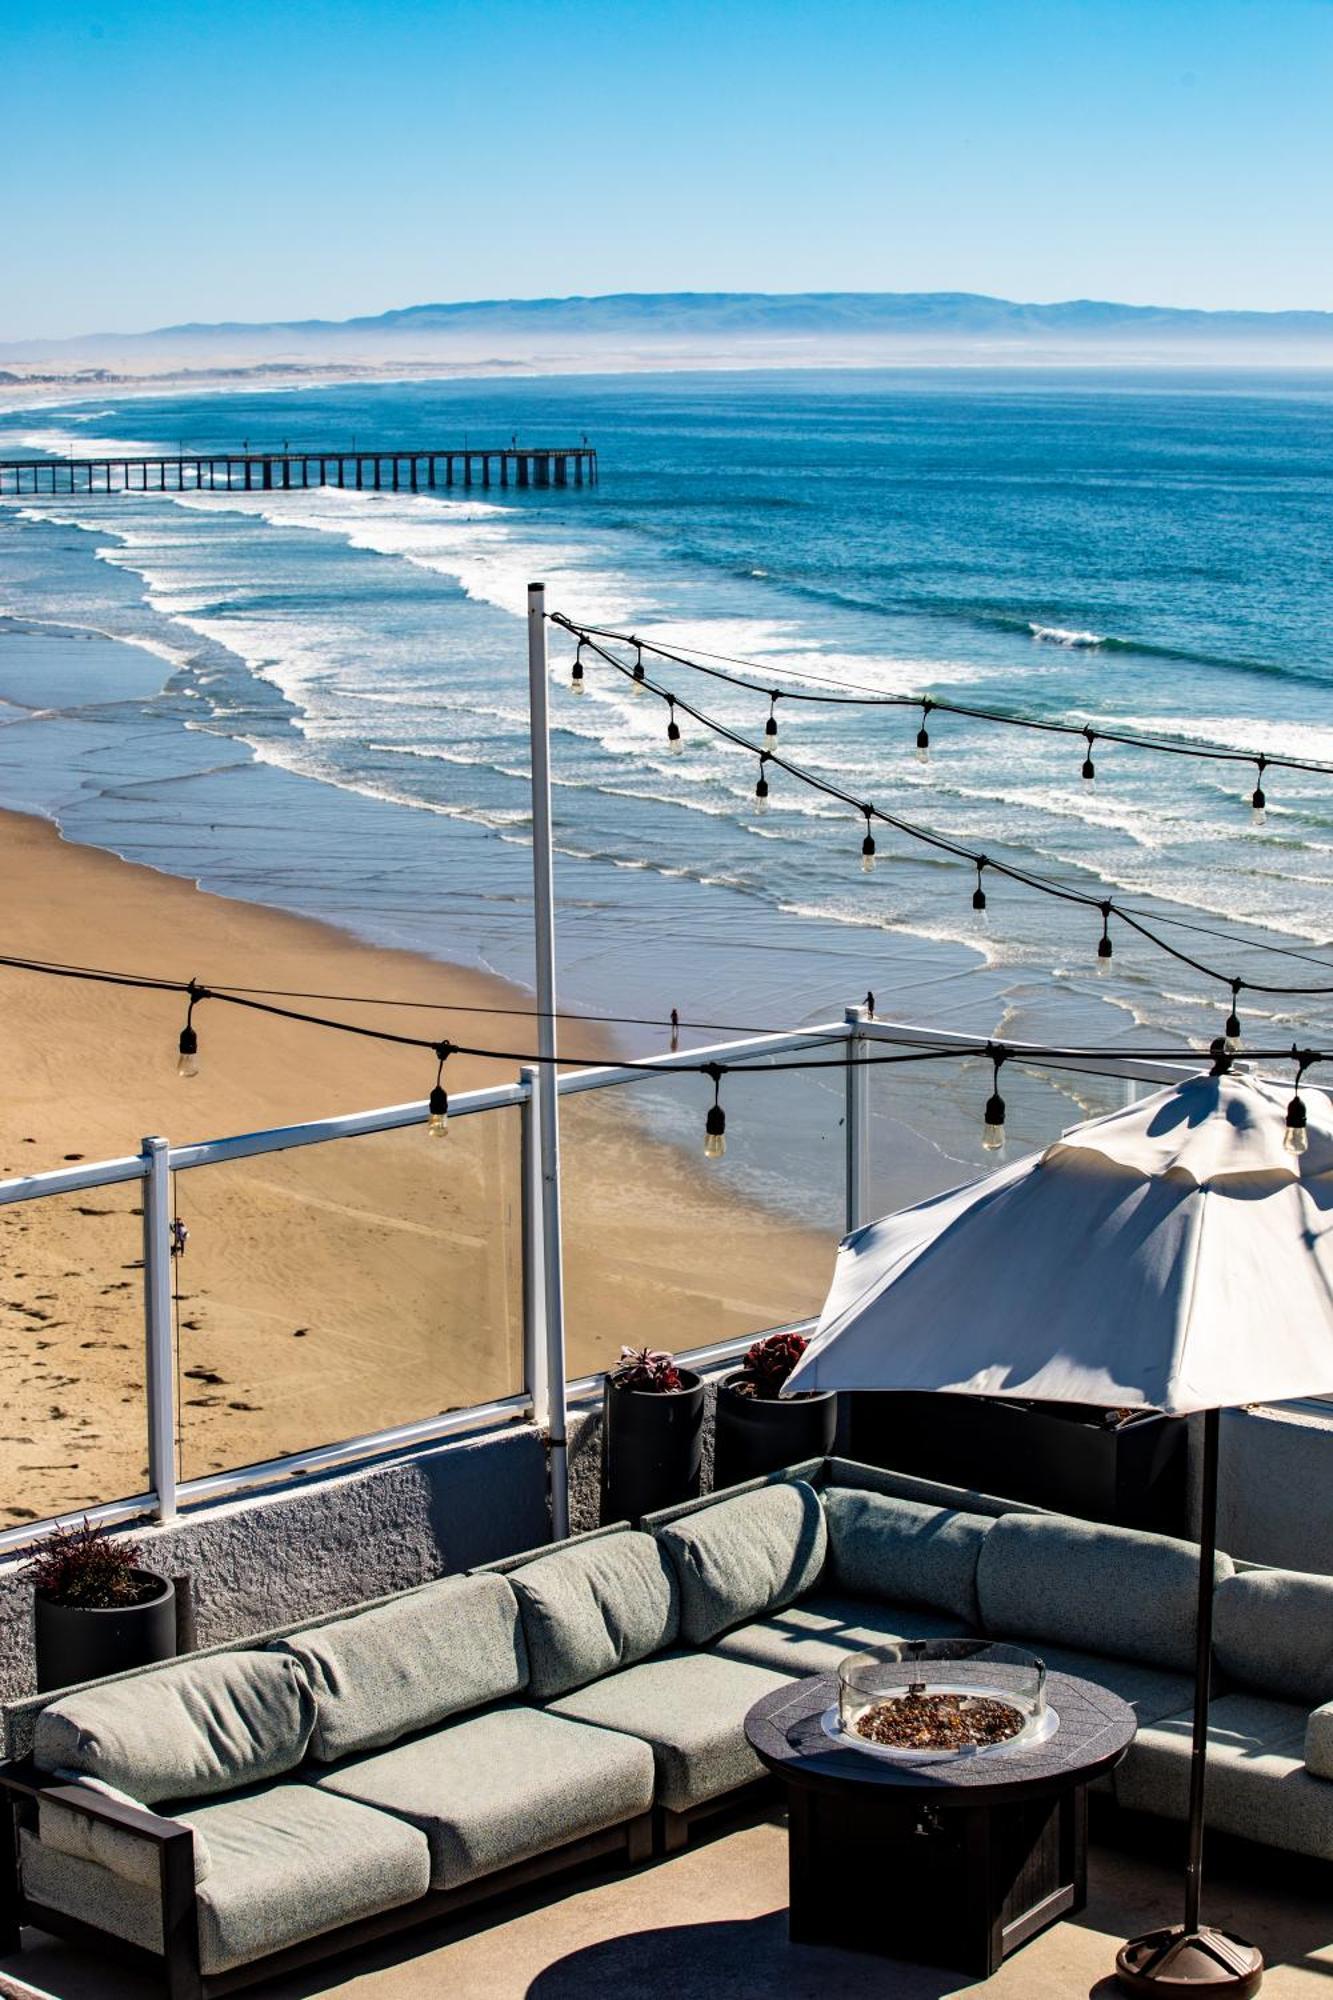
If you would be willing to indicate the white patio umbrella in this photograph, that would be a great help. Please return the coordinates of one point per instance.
(1177, 1255)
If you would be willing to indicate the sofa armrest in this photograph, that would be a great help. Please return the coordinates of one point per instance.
(1319, 1741)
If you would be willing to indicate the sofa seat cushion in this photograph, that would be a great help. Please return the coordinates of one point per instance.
(498, 1788)
(409, 1664)
(1258, 1785)
(1152, 1692)
(593, 1606)
(690, 1709)
(816, 1635)
(904, 1552)
(1055, 1581)
(185, 1731)
(289, 1862)
(1273, 1633)
(744, 1557)
(114, 1847)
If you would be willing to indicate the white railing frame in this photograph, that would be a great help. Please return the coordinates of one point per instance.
(159, 1161)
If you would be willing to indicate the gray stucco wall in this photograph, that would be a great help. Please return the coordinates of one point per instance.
(1275, 1476)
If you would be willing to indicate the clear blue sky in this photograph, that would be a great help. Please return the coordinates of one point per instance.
(170, 160)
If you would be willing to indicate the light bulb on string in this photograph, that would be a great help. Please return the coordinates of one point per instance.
(187, 1048)
(923, 736)
(1296, 1137)
(867, 846)
(715, 1124)
(1258, 797)
(771, 726)
(576, 685)
(1089, 772)
(1231, 1036)
(638, 680)
(674, 742)
(761, 785)
(675, 1031)
(1105, 948)
(979, 894)
(992, 1130)
(437, 1121)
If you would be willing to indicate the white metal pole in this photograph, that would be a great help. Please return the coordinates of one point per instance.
(534, 1318)
(160, 1374)
(857, 1123)
(548, 1097)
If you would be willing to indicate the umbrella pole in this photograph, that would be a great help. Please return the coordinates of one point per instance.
(1190, 1955)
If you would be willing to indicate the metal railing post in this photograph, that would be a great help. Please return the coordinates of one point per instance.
(545, 1083)
(160, 1372)
(536, 1374)
(857, 1123)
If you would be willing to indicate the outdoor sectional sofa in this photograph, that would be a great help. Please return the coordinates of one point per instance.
(241, 1811)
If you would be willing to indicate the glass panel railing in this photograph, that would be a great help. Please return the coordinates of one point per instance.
(667, 1249)
(73, 1419)
(347, 1287)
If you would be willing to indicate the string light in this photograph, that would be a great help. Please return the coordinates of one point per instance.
(992, 1131)
(1258, 799)
(187, 1058)
(1231, 1038)
(1105, 948)
(1089, 773)
(437, 1123)
(640, 679)
(1296, 1138)
(923, 735)
(761, 785)
(868, 846)
(771, 726)
(674, 742)
(979, 894)
(675, 1031)
(715, 1124)
(576, 672)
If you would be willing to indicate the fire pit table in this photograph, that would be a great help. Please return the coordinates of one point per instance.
(907, 1839)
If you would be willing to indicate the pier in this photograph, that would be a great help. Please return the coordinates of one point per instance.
(284, 471)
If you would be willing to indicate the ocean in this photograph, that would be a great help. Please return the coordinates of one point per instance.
(322, 701)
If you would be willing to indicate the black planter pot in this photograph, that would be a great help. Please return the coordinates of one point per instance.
(759, 1434)
(77, 1642)
(652, 1447)
(1058, 1455)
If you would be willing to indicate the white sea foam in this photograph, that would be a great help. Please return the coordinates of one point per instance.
(1063, 635)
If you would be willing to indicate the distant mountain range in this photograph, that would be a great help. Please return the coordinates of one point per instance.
(701, 329)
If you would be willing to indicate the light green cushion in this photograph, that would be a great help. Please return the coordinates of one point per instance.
(184, 1731)
(411, 1663)
(1152, 1692)
(289, 1863)
(1258, 1786)
(690, 1709)
(495, 1789)
(1104, 1590)
(816, 1635)
(1319, 1741)
(744, 1557)
(592, 1607)
(1273, 1632)
(125, 1853)
(903, 1551)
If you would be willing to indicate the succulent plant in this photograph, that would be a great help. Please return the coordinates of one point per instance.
(647, 1368)
(83, 1566)
(770, 1361)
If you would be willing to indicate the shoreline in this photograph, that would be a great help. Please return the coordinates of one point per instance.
(327, 1291)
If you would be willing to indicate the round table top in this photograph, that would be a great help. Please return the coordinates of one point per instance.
(786, 1732)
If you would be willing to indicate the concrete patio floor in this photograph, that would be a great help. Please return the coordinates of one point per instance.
(710, 1924)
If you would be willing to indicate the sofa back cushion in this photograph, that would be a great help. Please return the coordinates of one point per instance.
(408, 1664)
(183, 1731)
(743, 1557)
(904, 1551)
(592, 1607)
(1273, 1632)
(1104, 1590)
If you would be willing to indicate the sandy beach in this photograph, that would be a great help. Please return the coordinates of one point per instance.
(328, 1291)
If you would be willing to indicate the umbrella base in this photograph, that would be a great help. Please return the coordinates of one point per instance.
(1201, 1961)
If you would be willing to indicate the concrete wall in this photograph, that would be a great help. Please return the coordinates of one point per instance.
(314, 1547)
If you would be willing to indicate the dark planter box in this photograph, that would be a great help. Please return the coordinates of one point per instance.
(79, 1642)
(1058, 1455)
(652, 1447)
(755, 1435)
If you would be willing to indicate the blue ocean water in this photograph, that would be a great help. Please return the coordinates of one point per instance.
(337, 723)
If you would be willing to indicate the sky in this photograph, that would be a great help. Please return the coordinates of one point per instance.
(199, 160)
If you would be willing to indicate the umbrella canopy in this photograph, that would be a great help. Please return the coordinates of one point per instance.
(1173, 1255)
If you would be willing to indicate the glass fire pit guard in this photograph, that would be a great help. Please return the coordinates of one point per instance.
(928, 1700)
